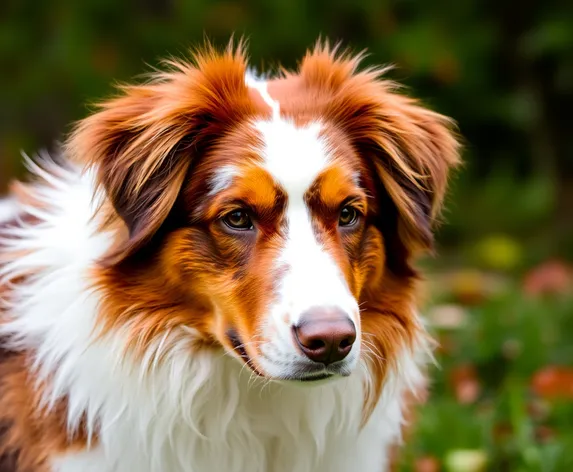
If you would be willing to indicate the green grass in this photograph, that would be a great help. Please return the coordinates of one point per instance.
(505, 340)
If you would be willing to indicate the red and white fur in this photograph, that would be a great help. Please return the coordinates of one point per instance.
(140, 332)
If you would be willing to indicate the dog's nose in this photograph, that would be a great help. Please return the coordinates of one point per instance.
(325, 334)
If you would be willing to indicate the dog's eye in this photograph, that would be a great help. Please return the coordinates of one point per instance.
(348, 216)
(238, 220)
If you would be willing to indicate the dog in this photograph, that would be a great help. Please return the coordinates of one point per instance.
(216, 272)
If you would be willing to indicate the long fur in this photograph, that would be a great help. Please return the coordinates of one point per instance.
(105, 367)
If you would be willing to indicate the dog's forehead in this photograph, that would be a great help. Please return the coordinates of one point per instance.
(294, 156)
(289, 140)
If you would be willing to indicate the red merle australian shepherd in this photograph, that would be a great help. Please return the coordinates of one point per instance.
(216, 274)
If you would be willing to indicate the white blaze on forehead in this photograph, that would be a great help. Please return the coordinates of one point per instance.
(261, 86)
(295, 157)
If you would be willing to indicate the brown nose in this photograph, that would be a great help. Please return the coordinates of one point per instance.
(325, 334)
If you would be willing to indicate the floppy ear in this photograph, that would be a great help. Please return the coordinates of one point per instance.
(410, 148)
(142, 143)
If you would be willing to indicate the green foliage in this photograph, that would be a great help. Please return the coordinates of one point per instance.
(512, 420)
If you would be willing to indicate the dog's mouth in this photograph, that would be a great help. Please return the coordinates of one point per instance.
(305, 373)
(311, 378)
(239, 348)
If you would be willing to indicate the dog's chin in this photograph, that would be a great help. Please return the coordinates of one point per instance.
(305, 375)
(298, 378)
(302, 373)
(310, 381)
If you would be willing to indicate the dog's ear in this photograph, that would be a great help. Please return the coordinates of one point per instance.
(413, 150)
(410, 148)
(142, 143)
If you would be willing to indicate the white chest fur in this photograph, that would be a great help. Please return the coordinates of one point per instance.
(220, 420)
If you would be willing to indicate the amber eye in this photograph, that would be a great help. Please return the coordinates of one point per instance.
(348, 216)
(238, 220)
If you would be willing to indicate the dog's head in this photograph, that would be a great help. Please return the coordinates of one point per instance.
(275, 218)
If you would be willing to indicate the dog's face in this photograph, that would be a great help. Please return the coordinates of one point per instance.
(277, 219)
(283, 211)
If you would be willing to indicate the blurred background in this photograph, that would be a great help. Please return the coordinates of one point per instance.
(499, 294)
